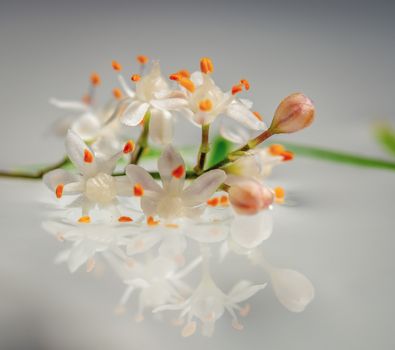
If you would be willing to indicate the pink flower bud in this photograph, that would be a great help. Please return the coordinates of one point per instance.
(294, 113)
(249, 196)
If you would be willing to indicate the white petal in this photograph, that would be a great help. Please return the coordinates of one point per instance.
(208, 233)
(170, 160)
(292, 289)
(244, 290)
(79, 254)
(134, 113)
(73, 188)
(59, 176)
(123, 185)
(203, 187)
(125, 87)
(75, 148)
(149, 205)
(173, 245)
(249, 231)
(246, 102)
(87, 126)
(161, 127)
(69, 105)
(235, 132)
(197, 78)
(243, 115)
(142, 243)
(169, 103)
(138, 175)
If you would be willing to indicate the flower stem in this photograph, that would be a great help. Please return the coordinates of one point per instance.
(203, 150)
(142, 142)
(34, 175)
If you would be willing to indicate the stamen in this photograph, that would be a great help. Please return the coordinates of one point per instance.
(244, 311)
(187, 84)
(175, 76)
(151, 221)
(245, 83)
(205, 105)
(125, 219)
(236, 89)
(87, 99)
(116, 66)
(88, 156)
(258, 116)
(178, 172)
(59, 190)
(189, 329)
(117, 93)
(95, 79)
(129, 147)
(224, 200)
(287, 155)
(276, 149)
(279, 192)
(90, 265)
(142, 59)
(206, 65)
(184, 73)
(138, 190)
(170, 225)
(84, 220)
(135, 77)
(213, 202)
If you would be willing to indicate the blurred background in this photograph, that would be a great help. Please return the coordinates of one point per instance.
(341, 231)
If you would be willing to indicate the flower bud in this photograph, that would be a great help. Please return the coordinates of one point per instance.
(249, 196)
(294, 113)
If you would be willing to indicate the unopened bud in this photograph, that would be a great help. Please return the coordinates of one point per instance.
(249, 197)
(294, 113)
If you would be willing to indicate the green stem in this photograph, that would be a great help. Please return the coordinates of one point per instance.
(142, 142)
(203, 150)
(34, 175)
(338, 156)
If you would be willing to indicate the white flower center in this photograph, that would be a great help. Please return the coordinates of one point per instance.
(170, 207)
(101, 188)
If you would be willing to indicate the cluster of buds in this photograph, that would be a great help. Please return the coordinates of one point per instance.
(120, 211)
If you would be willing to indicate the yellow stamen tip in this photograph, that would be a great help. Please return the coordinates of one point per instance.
(276, 149)
(151, 221)
(117, 93)
(206, 65)
(205, 105)
(125, 219)
(84, 220)
(279, 192)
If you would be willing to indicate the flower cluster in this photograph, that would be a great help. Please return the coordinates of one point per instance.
(156, 227)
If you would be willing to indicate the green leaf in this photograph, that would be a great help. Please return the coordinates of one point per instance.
(385, 136)
(337, 156)
(219, 150)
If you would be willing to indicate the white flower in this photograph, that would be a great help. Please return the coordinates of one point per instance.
(173, 201)
(94, 183)
(208, 303)
(158, 280)
(87, 241)
(154, 96)
(206, 101)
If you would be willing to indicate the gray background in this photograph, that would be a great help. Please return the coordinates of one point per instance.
(341, 231)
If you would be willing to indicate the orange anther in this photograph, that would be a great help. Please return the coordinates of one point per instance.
(287, 155)
(84, 219)
(151, 221)
(236, 89)
(213, 202)
(276, 149)
(129, 147)
(88, 156)
(175, 76)
(87, 99)
(206, 65)
(172, 225)
(95, 79)
(205, 105)
(135, 77)
(258, 116)
(178, 172)
(116, 66)
(245, 83)
(224, 200)
(279, 192)
(125, 219)
(59, 191)
(138, 190)
(184, 73)
(142, 59)
(186, 83)
(117, 93)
